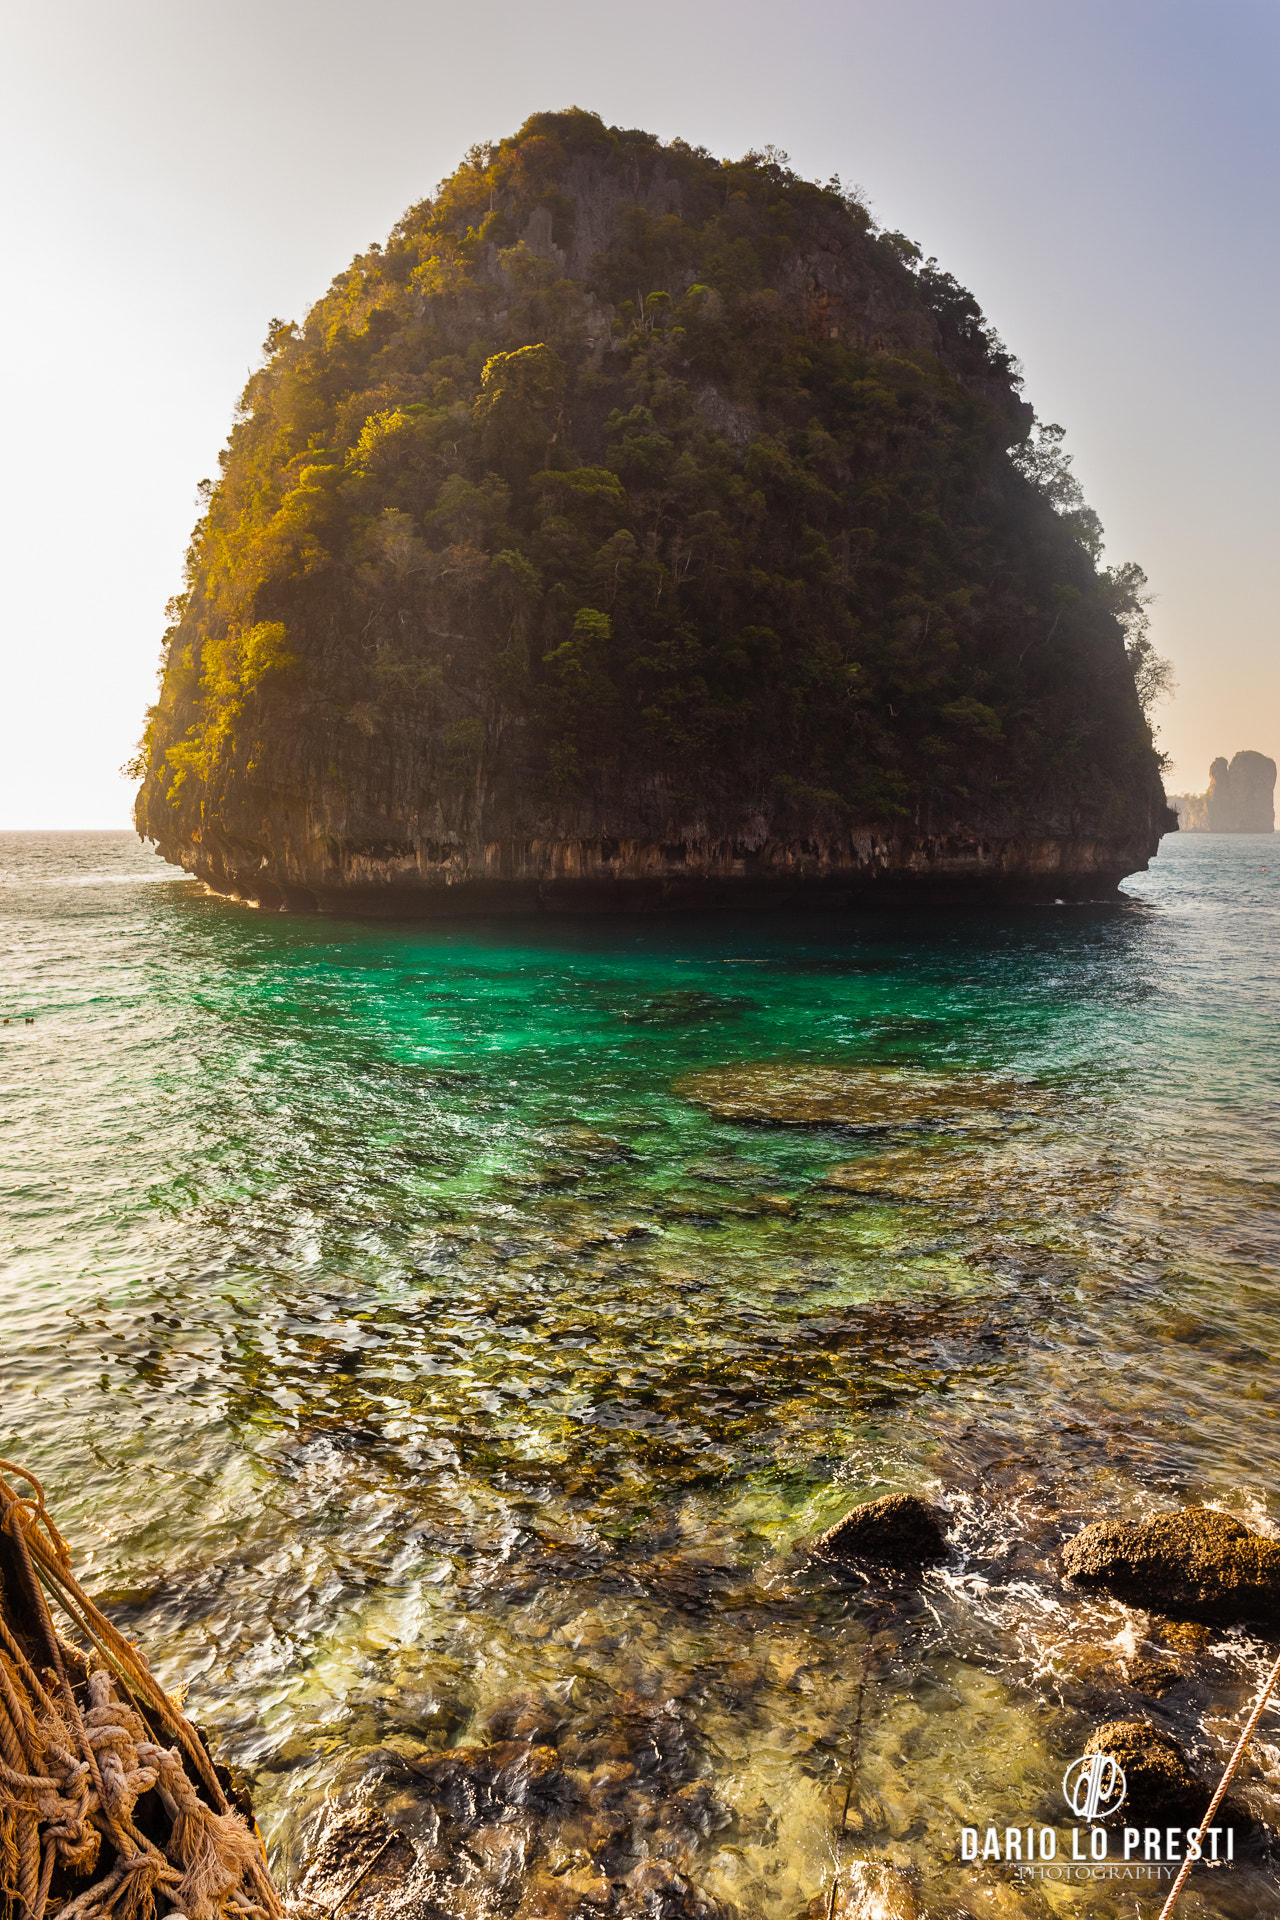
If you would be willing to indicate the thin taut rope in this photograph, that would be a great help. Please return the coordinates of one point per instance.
(1223, 1784)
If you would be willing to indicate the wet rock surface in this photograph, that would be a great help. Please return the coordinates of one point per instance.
(997, 1179)
(1159, 1783)
(898, 1530)
(1196, 1565)
(470, 1781)
(867, 1890)
(368, 1867)
(615, 1819)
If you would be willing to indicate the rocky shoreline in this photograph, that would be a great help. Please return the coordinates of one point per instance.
(400, 876)
(560, 1814)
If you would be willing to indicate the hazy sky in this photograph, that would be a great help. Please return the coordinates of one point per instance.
(1102, 173)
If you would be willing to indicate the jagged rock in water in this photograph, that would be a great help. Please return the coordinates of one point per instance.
(897, 1530)
(491, 1855)
(637, 529)
(656, 1891)
(1196, 1564)
(561, 1812)
(1159, 1785)
(1240, 799)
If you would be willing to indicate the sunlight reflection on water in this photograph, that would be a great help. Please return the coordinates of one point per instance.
(409, 1354)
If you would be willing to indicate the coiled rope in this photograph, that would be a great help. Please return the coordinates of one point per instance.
(1229, 1774)
(78, 1758)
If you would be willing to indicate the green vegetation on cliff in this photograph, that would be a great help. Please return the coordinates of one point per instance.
(626, 485)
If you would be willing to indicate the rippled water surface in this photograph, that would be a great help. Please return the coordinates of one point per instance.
(417, 1365)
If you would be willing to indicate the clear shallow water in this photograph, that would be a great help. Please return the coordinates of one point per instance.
(405, 1353)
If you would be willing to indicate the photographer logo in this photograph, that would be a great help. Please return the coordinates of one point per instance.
(1095, 1789)
(1094, 1786)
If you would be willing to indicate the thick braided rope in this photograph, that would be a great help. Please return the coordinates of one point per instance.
(212, 1866)
(22, 1832)
(44, 1545)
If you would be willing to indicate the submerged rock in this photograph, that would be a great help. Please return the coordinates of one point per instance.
(940, 1170)
(866, 1890)
(565, 1896)
(898, 1530)
(870, 1099)
(584, 1143)
(526, 1716)
(1152, 1675)
(361, 1863)
(656, 1891)
(472, 1781)
(722, 1170)
(1159, 1784)
(1194, 1565)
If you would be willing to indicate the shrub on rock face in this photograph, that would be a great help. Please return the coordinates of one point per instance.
(1194, 1565)
(898, 1530)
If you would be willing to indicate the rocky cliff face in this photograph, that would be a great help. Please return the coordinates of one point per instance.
(1240, 799)
(312, 870)
(641, 530)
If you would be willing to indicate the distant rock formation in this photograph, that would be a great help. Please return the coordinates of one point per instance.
(1240, 798)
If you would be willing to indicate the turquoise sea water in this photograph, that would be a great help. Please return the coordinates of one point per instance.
(404, 1349)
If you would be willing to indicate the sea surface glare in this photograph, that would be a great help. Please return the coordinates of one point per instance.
(402, 1351)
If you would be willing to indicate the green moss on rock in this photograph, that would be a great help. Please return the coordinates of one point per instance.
(862, 1099)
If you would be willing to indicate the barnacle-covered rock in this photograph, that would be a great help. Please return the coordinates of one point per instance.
(1196, 1564)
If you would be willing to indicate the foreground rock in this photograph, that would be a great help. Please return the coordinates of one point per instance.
(555, 1816)
(371, 1870)
(480, 1781)
(898, 1530)
(1159, 1783)
(1193, 1565)
(943, 1171)
(870, 1099)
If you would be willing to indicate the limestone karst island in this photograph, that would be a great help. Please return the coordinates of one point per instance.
(1240, 798)
(637, 528)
